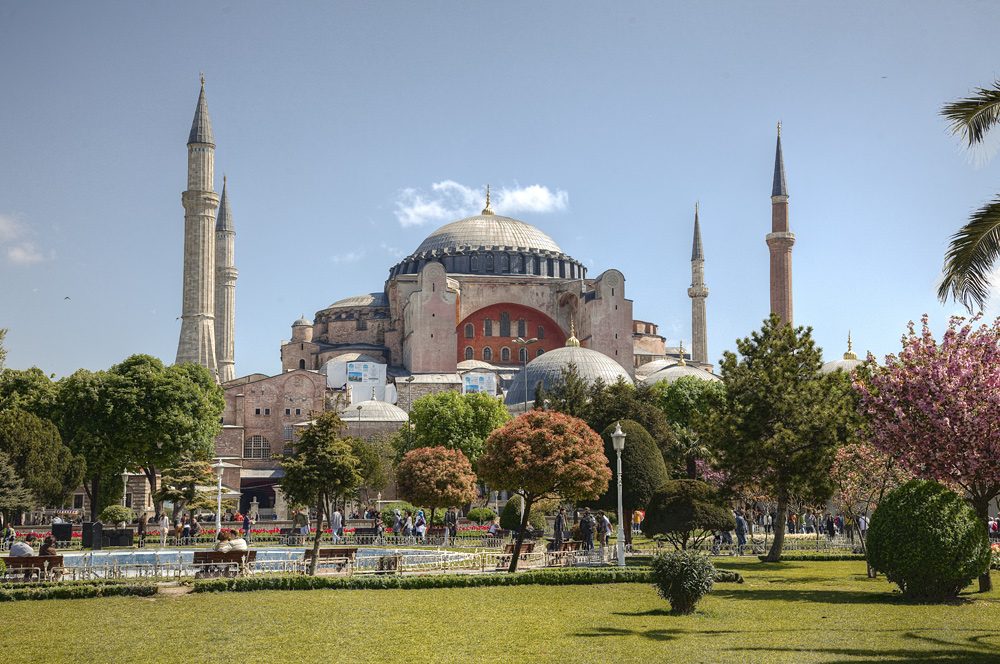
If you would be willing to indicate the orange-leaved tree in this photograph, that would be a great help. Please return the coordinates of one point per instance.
(436, 477)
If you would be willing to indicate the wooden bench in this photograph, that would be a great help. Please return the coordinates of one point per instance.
(558, 555)
(223, 563)
(508, 551)
(339, 555)
(27, 568)
(369, 534)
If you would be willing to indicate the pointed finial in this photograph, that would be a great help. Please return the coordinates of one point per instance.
(696, 207)
(779, 128)
(224, 179)
(203, 78)
(374, 398)
(572, 341)
(681, 361)
(487, 209)
(850, 355)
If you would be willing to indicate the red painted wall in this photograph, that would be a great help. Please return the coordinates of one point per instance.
(554, 336)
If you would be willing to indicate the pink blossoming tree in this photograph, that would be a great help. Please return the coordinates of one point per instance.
(936, 409)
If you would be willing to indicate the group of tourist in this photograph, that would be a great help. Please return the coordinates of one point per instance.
(229, 540)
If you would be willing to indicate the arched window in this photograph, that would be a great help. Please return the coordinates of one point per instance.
(489, 262)
(257, 447)
(522, 354)
(505, 354)
(515, 263)
(522, 328)
(529, 265)
(504, 263)
(469, 353)
(487, 354)
(539, 352)
(470, 331)
(488, 327)
(474, 263)
(541, 332)
(302, 364)
(504, 324)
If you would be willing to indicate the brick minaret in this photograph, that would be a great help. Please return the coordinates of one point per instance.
(225, 290)
(698, 292)
(780, 241)
(197, 341)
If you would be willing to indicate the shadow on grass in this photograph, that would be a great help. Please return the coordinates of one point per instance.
(970, 649)
(825, 596)
(651, 634)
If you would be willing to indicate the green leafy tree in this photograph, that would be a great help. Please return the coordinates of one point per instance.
(371, 466)
(974, 249)
(188, 485)
(164, 414)
(569, 394)
(544, 455)
(33, 445)
(624, 401)
(456, 421)
(322, 469)
(30, 390)
(780, 422)
(14, 496)
(643, 471)
(3, 350)
(686, 512)
(436, 477)
(686, 403)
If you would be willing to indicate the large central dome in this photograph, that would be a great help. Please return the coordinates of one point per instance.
(488, 230)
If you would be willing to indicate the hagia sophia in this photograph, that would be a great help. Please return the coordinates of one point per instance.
(485, 303)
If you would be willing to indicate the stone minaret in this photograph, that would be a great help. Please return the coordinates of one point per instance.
(225, 291)
(197, 342)
(698, 292)
(780, 242)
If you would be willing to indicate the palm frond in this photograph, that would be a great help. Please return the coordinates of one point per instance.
(973, 117)
(971, 255)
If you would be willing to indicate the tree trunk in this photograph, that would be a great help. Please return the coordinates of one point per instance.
(150, 473)
(319, 536)
(627, 517)
(520, 533)
(93, 492)
(774, 555)
(692, 468)
(982, 506)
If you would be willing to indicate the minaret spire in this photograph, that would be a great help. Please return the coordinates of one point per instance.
(780, 241)
(698, 292)
(197, 338)
(225, 290)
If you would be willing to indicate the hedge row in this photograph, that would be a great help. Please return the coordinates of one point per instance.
(8, 585)
(806, 557)
(77, 591)
(394, 582)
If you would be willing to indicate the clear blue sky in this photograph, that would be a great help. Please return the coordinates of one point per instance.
(333, 120)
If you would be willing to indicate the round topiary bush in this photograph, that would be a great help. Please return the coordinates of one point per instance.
(683, 578)
(928, 541)
(685, 512)
(402, 506)
(117, 514)
(481, 515)
(510, 515)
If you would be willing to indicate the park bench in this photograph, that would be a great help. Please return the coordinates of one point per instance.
(560, 554)
(28, 568)
(503, 561)
(210, 564)
(365, 535)
(500, 535)
(336, 557)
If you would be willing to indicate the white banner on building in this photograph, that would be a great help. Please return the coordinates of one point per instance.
(366, 373)
(479, 382)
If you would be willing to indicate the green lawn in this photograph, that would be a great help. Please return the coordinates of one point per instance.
(789, 612)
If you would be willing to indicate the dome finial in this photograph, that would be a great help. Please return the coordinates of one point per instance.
(850, 355)
(681, 361)
(374, 397)
(572, 341)
(487, 209)
(779, 128)
(203, 78)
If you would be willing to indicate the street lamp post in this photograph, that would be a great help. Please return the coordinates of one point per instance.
(409, 402)
(524, 343)
(124, 487)
(618, 439)
(359, 421)
(218, 468)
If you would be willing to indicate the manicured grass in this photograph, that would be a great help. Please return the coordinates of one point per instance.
(785, 612)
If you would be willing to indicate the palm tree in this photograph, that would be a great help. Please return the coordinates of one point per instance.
(975, 248)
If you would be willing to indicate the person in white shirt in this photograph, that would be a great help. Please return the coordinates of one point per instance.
(164, 524)
(336, 523)
(236, 543)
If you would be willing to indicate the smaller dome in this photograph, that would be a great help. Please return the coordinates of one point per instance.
(675, 371)
(366, 300)
(652, 367)
(847, 365)
(469, 365)
(302, 321)
(547, 368)
(374, 410)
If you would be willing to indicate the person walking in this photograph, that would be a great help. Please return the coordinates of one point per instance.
(560, 529)
(741, 532)
(587, 524)
(141, 530)
(420, 526)
(451, 521)
(164, 524)
(336, 522)
(247, 522)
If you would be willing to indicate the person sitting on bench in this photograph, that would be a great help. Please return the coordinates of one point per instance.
(23, 549)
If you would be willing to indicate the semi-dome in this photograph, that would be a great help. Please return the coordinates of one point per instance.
(677, 370)
(547, 369)
(847, 365)
(366, 300)
(488, 230)
(302, 321)
(374, 410)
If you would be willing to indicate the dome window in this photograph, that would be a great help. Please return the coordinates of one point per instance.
(489, 262)
(474, 263)
(504, 263)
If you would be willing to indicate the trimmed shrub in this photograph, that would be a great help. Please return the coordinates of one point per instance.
(683, 578)
(510, 515)
(643, 470)
(726, 576)
(928, 541)
(117, 514)
(801, 556)
(686, 511)
(481, 515)
(78, 591)
(402, 506)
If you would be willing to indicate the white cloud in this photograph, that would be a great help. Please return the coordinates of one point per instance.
(449, 200)
(395, 252)
(349, 257)
(16, 247)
